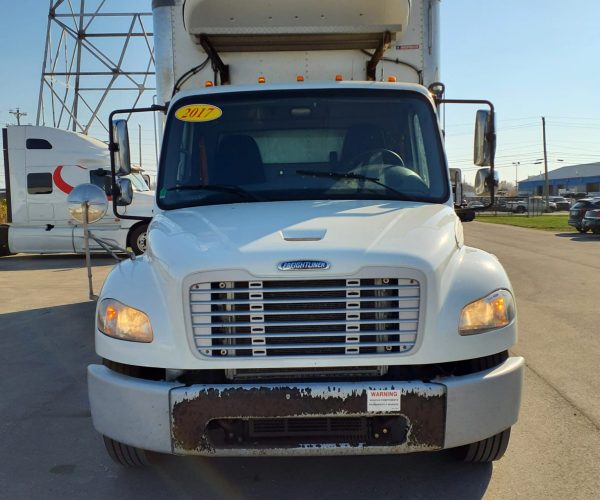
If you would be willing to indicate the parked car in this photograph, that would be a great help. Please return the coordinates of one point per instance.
(533, 204)
(578, 211)
(517, 206)
(561, 202)
(475, 204)
(591, 220)
(575, 196)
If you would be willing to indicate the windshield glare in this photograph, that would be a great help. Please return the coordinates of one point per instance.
(292, 145)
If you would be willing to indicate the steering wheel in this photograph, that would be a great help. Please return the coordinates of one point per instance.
(365, 157)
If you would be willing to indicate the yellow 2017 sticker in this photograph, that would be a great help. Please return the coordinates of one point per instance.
(198, 113)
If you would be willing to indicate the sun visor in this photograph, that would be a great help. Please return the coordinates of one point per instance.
(243, 25)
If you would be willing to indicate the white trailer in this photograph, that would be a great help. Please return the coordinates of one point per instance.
(306, 289)
(42, 165)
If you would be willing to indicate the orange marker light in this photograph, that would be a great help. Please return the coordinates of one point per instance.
(111, 313)
(299, 78)
(338, 78)
(392, 79)
(261, 79)
(208, 83)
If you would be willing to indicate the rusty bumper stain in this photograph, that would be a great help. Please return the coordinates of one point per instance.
(423, 406)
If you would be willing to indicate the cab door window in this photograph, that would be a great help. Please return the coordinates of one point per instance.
(39, 183)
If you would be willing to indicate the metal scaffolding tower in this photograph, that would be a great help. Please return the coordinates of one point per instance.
(91, 55)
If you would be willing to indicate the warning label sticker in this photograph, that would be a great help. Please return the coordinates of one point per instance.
(379, 401)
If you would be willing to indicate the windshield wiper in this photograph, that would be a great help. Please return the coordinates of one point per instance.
(359, 177)
(225, 188)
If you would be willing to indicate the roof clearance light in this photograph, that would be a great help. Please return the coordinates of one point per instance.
(208, 83)
(392, 79)
(300, 78)
(261, 79)
(339, 78)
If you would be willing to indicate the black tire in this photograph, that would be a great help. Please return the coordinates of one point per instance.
(582, 230)
(520, 210)
(486, 450)
(4, 250)
(125, 455)
(137, 238)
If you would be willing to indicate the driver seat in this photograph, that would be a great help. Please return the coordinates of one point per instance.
(238, 161)
(358, 140)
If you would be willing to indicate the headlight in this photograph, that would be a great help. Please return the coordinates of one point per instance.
(122, 322)
(494, 311)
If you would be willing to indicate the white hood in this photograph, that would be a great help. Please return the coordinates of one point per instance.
(348, 235)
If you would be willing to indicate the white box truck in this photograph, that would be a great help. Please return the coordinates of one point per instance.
(42, 165)
(306, 288)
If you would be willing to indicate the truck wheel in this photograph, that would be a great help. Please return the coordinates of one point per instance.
(125, 455)
(582, 230)
(4, 250)
(137, 238)
(520, 210)
(486, 450)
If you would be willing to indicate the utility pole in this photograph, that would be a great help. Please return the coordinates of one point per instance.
(140, 142)
(546, 193)
(18, 114)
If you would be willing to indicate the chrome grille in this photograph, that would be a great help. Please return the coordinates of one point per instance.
(337, 317)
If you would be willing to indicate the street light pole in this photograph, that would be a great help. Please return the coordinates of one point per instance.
(516, 164)
(546, 193)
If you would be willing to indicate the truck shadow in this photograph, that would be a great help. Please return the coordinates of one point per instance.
(23, 262)
(587, 237)
(417, 475)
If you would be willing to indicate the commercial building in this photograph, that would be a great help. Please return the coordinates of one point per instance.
(575, 178)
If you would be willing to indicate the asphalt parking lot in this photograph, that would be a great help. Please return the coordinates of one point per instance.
(50, 450)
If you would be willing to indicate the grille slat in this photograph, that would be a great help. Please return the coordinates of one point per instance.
(292, 301)
(307, 335)
(331, 317)
(323, 345)
(231, 324)
(304, 289)
(305, 311)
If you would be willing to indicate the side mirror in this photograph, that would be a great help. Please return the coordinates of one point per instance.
(120, 139)
(484, 181)
(485, 138)
(90, 196)
(125, 192)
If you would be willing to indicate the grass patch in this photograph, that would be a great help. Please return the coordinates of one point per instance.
(555, 223)
(3, 211)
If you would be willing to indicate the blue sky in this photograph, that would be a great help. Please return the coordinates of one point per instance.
(532, 58)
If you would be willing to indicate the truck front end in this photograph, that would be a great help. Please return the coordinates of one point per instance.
(306, 288)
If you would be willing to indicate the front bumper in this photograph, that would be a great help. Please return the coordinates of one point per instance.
(171, 418)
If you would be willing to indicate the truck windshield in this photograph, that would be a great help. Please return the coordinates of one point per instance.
(301, 145)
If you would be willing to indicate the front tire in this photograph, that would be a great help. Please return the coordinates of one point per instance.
(582, 230)
(138, 238)
(125, 455)
(486, 450)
